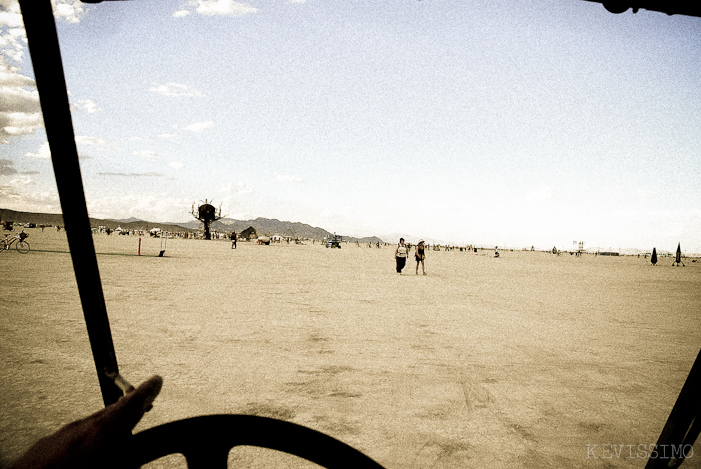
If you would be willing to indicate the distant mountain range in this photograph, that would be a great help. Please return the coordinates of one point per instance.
(263, 226)
(269, 227)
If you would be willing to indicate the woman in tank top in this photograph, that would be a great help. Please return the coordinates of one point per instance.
(420, 255)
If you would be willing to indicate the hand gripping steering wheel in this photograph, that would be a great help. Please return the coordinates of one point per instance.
(205, 442)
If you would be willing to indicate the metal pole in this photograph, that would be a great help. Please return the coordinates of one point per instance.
(48, 71)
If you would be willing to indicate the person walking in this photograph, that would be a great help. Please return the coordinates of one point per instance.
(420, 255)
(233, 240)
(400, 255)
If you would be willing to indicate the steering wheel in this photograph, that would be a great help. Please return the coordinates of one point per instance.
(205, 442)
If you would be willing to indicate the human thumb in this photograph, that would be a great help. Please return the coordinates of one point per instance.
(128, 410)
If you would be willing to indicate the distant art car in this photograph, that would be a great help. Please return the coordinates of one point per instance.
(334, 242)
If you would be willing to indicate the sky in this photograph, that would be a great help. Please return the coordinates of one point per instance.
(511, 123)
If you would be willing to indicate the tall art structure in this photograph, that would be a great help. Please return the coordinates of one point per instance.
(678, 257)
(206, 213)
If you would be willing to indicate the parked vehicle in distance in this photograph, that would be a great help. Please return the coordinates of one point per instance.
(334, 242)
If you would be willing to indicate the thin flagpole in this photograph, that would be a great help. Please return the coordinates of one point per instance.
(53, 96)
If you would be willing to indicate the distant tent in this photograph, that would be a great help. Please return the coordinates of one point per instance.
(249, 233)
(653, 259)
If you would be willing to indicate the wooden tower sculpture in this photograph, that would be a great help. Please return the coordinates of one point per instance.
(206, 213)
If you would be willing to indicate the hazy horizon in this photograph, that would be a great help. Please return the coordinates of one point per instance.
(510, 124)
(413, 238)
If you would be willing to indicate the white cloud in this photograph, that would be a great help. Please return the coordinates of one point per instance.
(25, 197)
(217, 7)
(145, 206)
(43, 152)
(92, 141)
(10, 14)
(8, 196)
(9, 78)
(69, 10)
(199, 126)
(22, 193)
(288, 178)
(86, 104)
(174, 89)
(19, 124)
(176, 165)
(180, 13)
(167, 135)
(19, 101)
(151, 155)
(19, 106)
(22, 181)
(149, 174)
(237, 188)
(12, 37)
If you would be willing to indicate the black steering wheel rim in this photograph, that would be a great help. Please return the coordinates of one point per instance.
(205, 441)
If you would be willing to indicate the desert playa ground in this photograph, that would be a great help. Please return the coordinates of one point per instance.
(530, 360)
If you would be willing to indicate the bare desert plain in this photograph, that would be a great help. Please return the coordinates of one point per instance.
(530, 360)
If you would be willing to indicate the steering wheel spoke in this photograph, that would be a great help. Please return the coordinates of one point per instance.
(205, 442)
(208, 458)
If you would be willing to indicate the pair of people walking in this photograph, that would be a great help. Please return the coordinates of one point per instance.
(402, 252)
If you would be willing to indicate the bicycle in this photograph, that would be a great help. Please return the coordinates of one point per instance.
(22, 246)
